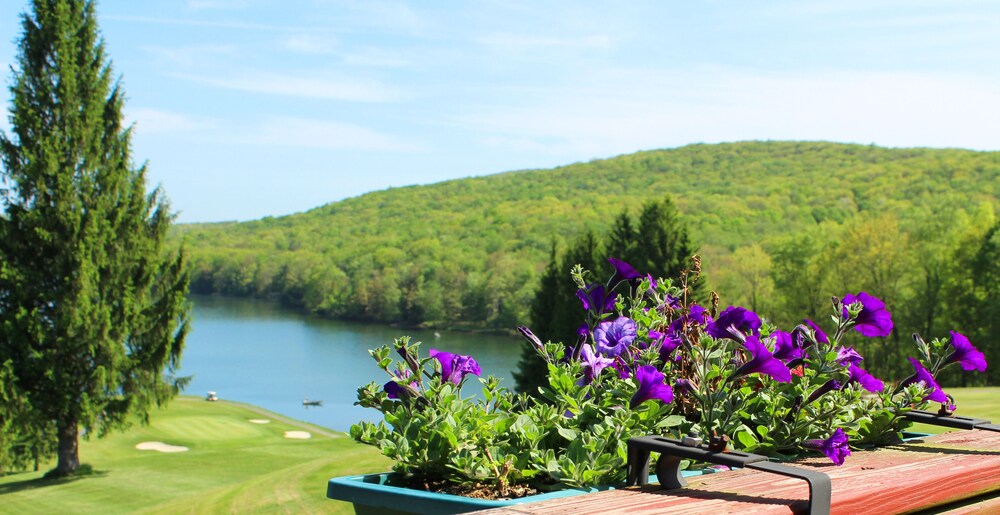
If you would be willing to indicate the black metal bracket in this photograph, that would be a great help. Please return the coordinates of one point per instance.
(673, 451)
(952, 421)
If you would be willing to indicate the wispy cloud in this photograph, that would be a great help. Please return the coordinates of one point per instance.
(187, 56)
(150, 121)
(526, 42)
(310, 44)
(303, 132)
(187, 22)
(321, 87)
(711, 105)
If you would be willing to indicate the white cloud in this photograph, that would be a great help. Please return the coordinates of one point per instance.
(622, 113)
(310, 44)
(302, 132)
(322, 87)
(149, 121)
(527, 43)
(186, 56)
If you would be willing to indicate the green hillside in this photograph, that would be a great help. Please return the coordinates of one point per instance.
(468, 252)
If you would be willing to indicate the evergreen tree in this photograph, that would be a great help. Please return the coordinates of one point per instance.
(92, 303)
(556, 312)
(664, 248)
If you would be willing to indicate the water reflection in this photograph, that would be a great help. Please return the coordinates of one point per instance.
(258, 353)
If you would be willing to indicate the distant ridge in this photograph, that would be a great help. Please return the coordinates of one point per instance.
(468, 252)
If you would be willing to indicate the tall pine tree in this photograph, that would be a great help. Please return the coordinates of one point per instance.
(92, 303)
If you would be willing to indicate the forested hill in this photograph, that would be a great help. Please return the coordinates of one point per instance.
(469, 252)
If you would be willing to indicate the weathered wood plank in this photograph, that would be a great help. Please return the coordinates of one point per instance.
(898, 479)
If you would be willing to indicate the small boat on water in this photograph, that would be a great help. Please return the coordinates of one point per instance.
(306, 402)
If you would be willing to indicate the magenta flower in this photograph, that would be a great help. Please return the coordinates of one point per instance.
(455, 367)
(651, 386)
(848, 356)
(612, 338)
(734, 321)
(592, 365)
(763, 362)
(922, 375)
(595, 297)
(967, 356)
(866, 380)
(835, 447)
(873, 320)
(817, 332)
(787, 347)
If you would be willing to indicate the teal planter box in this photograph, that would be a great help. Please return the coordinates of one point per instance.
(374, 494)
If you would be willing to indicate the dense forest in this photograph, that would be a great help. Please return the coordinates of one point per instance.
(780, 226)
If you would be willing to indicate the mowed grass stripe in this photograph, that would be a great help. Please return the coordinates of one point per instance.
(233, 465)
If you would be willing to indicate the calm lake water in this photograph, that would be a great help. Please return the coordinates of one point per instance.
(258, 353)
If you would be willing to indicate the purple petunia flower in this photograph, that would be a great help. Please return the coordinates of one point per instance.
(967, 356)
(826, 387)
(623, 271)
(763, 362)
(922, 375)
(593, 363)
(530, 336)
(848, 356)
(668, 341)
(613, 337)
(741, 320)
(683, 386)
(398, 391)
(835, 447)
(787, 347)
(817, 332)
(651, 386)
(866, 380)
(455, 367)
(874, 319)
(595, 297)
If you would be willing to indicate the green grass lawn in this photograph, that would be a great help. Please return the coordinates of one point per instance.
(235, 466)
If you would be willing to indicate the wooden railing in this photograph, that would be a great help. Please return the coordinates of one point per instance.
(955, 472)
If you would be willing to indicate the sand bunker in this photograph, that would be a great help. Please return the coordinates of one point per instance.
(159, 446)
(259, 421)
(298, 435)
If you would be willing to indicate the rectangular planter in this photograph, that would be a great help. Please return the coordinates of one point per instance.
(374, 494)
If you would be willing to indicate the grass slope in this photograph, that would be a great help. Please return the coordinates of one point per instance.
(233, 466)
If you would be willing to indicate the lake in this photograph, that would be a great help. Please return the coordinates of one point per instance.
(259, 353)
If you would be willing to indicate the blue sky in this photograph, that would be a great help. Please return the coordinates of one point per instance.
(252, 108)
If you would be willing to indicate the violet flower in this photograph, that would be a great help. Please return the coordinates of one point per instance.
(787, 347)
(613, 337)
(741, 320)
(874, 319)
(967, 356)
(817, 332)
(595, 297)
(763, 362)
(651, 386)
(835, 447)
(530, 336)
(593, 363)
(455, 367)
(395, 390)
(668, 342)
(866, 380)
(623, 271)
(922, 375)
(848, 356)
(826, 387)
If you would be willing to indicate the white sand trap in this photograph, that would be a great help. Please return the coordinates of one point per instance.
(259, 421)
(298, 435)
(160, 446)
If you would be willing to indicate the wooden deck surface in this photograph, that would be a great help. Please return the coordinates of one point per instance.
(939, 470)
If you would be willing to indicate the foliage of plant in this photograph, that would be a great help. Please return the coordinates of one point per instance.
(652, 361)
(92, 301)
